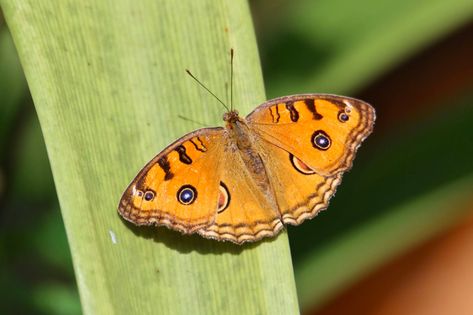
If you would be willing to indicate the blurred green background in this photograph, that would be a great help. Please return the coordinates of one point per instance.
(412, 60)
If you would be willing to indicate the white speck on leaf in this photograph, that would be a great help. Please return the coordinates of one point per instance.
(112, 236)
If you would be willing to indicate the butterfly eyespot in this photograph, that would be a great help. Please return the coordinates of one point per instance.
(321, 140)
(223, 198)
(139, 193)
(149, 195)
(343, 117)
(300, 166)
(187, 194)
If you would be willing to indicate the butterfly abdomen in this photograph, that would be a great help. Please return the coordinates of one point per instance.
(240, 134)
(246, 143)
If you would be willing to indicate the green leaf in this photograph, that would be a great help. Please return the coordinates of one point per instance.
(363, 248)
(50, 242)
(56, 299)
(12, 88)
(108, 83)
(31, 180)
(338, 46)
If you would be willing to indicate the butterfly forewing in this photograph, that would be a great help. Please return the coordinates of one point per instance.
(179, 187)
(322, 130)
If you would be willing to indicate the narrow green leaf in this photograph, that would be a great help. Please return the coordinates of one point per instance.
(56, 299)
(342, 46)
(108, 83)
(360, 250)
(12, 87)
(31, 179)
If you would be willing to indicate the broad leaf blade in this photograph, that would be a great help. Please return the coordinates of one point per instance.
(108, 83)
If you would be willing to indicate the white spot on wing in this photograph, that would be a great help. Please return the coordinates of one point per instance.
(349, 105)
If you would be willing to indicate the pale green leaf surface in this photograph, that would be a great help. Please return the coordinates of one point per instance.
(108, 82)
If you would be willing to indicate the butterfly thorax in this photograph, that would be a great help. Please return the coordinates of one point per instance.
(241, 139)
(231, 116)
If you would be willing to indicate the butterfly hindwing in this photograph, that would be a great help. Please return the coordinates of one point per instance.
(179, 187)
(323, 130)
(247, 210)
(301, 192)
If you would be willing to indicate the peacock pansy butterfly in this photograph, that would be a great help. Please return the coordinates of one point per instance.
(242, 182)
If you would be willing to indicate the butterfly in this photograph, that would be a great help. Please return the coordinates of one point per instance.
(279, 165)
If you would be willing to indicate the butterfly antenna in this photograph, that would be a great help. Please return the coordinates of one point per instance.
(226, 93)
(202, 85)
(231, 79)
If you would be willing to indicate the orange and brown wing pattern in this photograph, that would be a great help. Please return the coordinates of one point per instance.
(179, 187)
(323, 130)
(246, 212)
(301, 193)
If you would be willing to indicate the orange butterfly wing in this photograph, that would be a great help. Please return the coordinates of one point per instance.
(300, 192)
(322, 130)
(307, 142)
(179, 187)
(246, 212)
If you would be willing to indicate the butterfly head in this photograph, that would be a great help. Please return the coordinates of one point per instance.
(231, 116)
